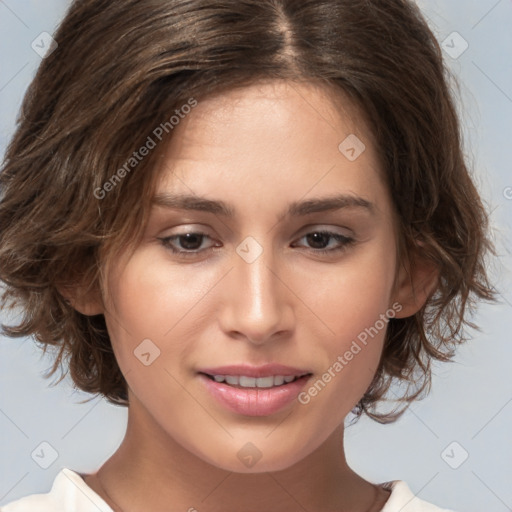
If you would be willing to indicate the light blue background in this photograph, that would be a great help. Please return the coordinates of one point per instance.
(471, 400)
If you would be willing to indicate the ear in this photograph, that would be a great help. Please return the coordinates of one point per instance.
(88, 303)
(417, 280)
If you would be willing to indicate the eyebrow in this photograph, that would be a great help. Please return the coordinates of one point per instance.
(295, 209)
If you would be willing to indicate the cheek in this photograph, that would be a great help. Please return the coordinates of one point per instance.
(150, 295)
(353, 295)
(148, 300)
(355, 303)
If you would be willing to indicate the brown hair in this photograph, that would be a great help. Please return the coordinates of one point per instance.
(122, 68)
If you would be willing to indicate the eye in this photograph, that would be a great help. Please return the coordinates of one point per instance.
(321, 240)
(190, 243)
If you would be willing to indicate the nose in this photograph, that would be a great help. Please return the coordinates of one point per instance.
(257, 302)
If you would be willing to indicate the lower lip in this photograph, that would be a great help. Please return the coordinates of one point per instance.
(254, 401)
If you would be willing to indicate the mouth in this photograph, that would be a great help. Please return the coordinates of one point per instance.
(254, 391)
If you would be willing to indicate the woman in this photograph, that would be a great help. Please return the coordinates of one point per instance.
(238, 220)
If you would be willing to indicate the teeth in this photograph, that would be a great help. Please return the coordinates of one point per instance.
(253, 382)
(231, 379)
(278, 379)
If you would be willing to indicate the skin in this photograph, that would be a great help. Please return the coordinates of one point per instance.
(258, 149)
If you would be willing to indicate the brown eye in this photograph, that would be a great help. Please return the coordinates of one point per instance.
(186, 244)
(318, 241)
(190, 241)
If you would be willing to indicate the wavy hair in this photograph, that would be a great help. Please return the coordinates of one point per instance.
(122, 68)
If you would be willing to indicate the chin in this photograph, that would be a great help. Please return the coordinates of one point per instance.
(249, 459)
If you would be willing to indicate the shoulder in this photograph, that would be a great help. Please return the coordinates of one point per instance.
(402, 499)
(68, 492)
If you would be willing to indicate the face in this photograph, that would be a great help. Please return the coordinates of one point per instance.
(280, 264)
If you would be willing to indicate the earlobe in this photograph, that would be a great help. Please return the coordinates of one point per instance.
(89, 304)
(416, 282)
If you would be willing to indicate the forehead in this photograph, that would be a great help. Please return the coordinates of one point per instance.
(268, 108)
(271, 138)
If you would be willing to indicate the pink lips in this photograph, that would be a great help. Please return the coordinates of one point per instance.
(254, 401)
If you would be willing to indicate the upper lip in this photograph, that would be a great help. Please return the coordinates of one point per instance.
(266, 370)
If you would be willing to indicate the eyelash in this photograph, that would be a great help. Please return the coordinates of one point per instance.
(344, 240)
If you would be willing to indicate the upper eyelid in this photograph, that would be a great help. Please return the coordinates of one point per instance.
(312, 227)
(300, 233)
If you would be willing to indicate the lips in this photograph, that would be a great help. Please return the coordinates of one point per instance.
(254, 390)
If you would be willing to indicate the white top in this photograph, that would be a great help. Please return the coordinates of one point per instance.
(70, 493)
